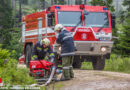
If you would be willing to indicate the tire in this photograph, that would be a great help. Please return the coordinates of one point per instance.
(28, 54)
(77, 62)
(98, 63)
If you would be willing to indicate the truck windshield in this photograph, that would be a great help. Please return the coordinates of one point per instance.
(96, 19)
(69, 18)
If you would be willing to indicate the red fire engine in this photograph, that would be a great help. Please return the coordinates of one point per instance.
(91, 27)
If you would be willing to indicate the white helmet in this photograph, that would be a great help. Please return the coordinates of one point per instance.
(46, 41)
(58, 27)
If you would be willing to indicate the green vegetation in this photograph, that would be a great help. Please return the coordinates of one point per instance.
(52, 86)
(123, 44)
(107, 3)
(9, 35)
(9, 72)
(11, 46)
(116, 63)
(86, 65)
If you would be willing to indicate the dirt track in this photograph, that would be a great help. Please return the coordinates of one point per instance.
(97, 80)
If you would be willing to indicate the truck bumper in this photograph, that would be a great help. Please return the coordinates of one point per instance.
(93, 48)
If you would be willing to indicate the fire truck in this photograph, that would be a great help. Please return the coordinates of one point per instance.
(91, 28)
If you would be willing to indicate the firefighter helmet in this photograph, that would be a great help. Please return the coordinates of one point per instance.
(46, 41)
(58, 27)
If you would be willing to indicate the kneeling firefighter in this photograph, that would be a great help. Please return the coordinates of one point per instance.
(65, 39)
(42, 50)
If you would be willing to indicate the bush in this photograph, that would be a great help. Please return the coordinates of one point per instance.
(10, 74)
(116, 63)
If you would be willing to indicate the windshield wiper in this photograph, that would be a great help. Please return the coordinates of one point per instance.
(77, 24)
(102, 27)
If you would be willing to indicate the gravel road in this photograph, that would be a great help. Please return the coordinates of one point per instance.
(97, 80)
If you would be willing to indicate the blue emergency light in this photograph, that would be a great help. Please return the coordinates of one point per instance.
(57, 7)
(104, 8)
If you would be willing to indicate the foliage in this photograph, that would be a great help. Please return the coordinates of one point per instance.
(122, 45)
(116, 64)
(86, 65)
(6, 22)
(9, 72)
(124, 40)
(127, 3)
(107, 3)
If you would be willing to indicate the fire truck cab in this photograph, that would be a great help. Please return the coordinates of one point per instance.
(91, 28)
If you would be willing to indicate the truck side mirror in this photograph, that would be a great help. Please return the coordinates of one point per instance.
(113, 22)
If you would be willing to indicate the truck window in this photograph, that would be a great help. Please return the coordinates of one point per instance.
(97, 19)
(69, 18)
(51, 19)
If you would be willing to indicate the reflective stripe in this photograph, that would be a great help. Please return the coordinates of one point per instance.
(34, 56)
(52, 54)
(38, 48)
(66, 67)
(45, 49)
(35, 31)
(45, 58)
(66, 37)
(71, 53)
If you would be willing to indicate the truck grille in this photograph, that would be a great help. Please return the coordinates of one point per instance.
(83, 46)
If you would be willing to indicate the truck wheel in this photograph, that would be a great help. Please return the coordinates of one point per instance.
(98, 63)
(28, 54)
(77, 62)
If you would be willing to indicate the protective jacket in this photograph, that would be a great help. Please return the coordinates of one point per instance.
(67, 44)
(40, 53)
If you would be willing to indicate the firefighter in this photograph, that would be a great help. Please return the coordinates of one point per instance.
(42, 50)
(65, 39)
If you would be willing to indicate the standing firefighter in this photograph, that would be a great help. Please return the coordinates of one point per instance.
(42, 50)
(65, 39)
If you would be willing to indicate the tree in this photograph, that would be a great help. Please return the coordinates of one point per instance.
(9, 35)
(127, 4)
(124, 13)
(78, 2)
(124, 40)
(107, 3)
(61, 2)
(6, 22)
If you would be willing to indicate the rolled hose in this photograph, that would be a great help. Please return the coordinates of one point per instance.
(51, 76)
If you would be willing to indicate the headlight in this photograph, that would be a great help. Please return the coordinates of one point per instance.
(103, 49)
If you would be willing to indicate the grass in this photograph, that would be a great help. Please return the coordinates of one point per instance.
(52, 86)
(86, 65)
(116, 63)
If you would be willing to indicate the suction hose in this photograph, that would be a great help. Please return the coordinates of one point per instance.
(51, 76)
